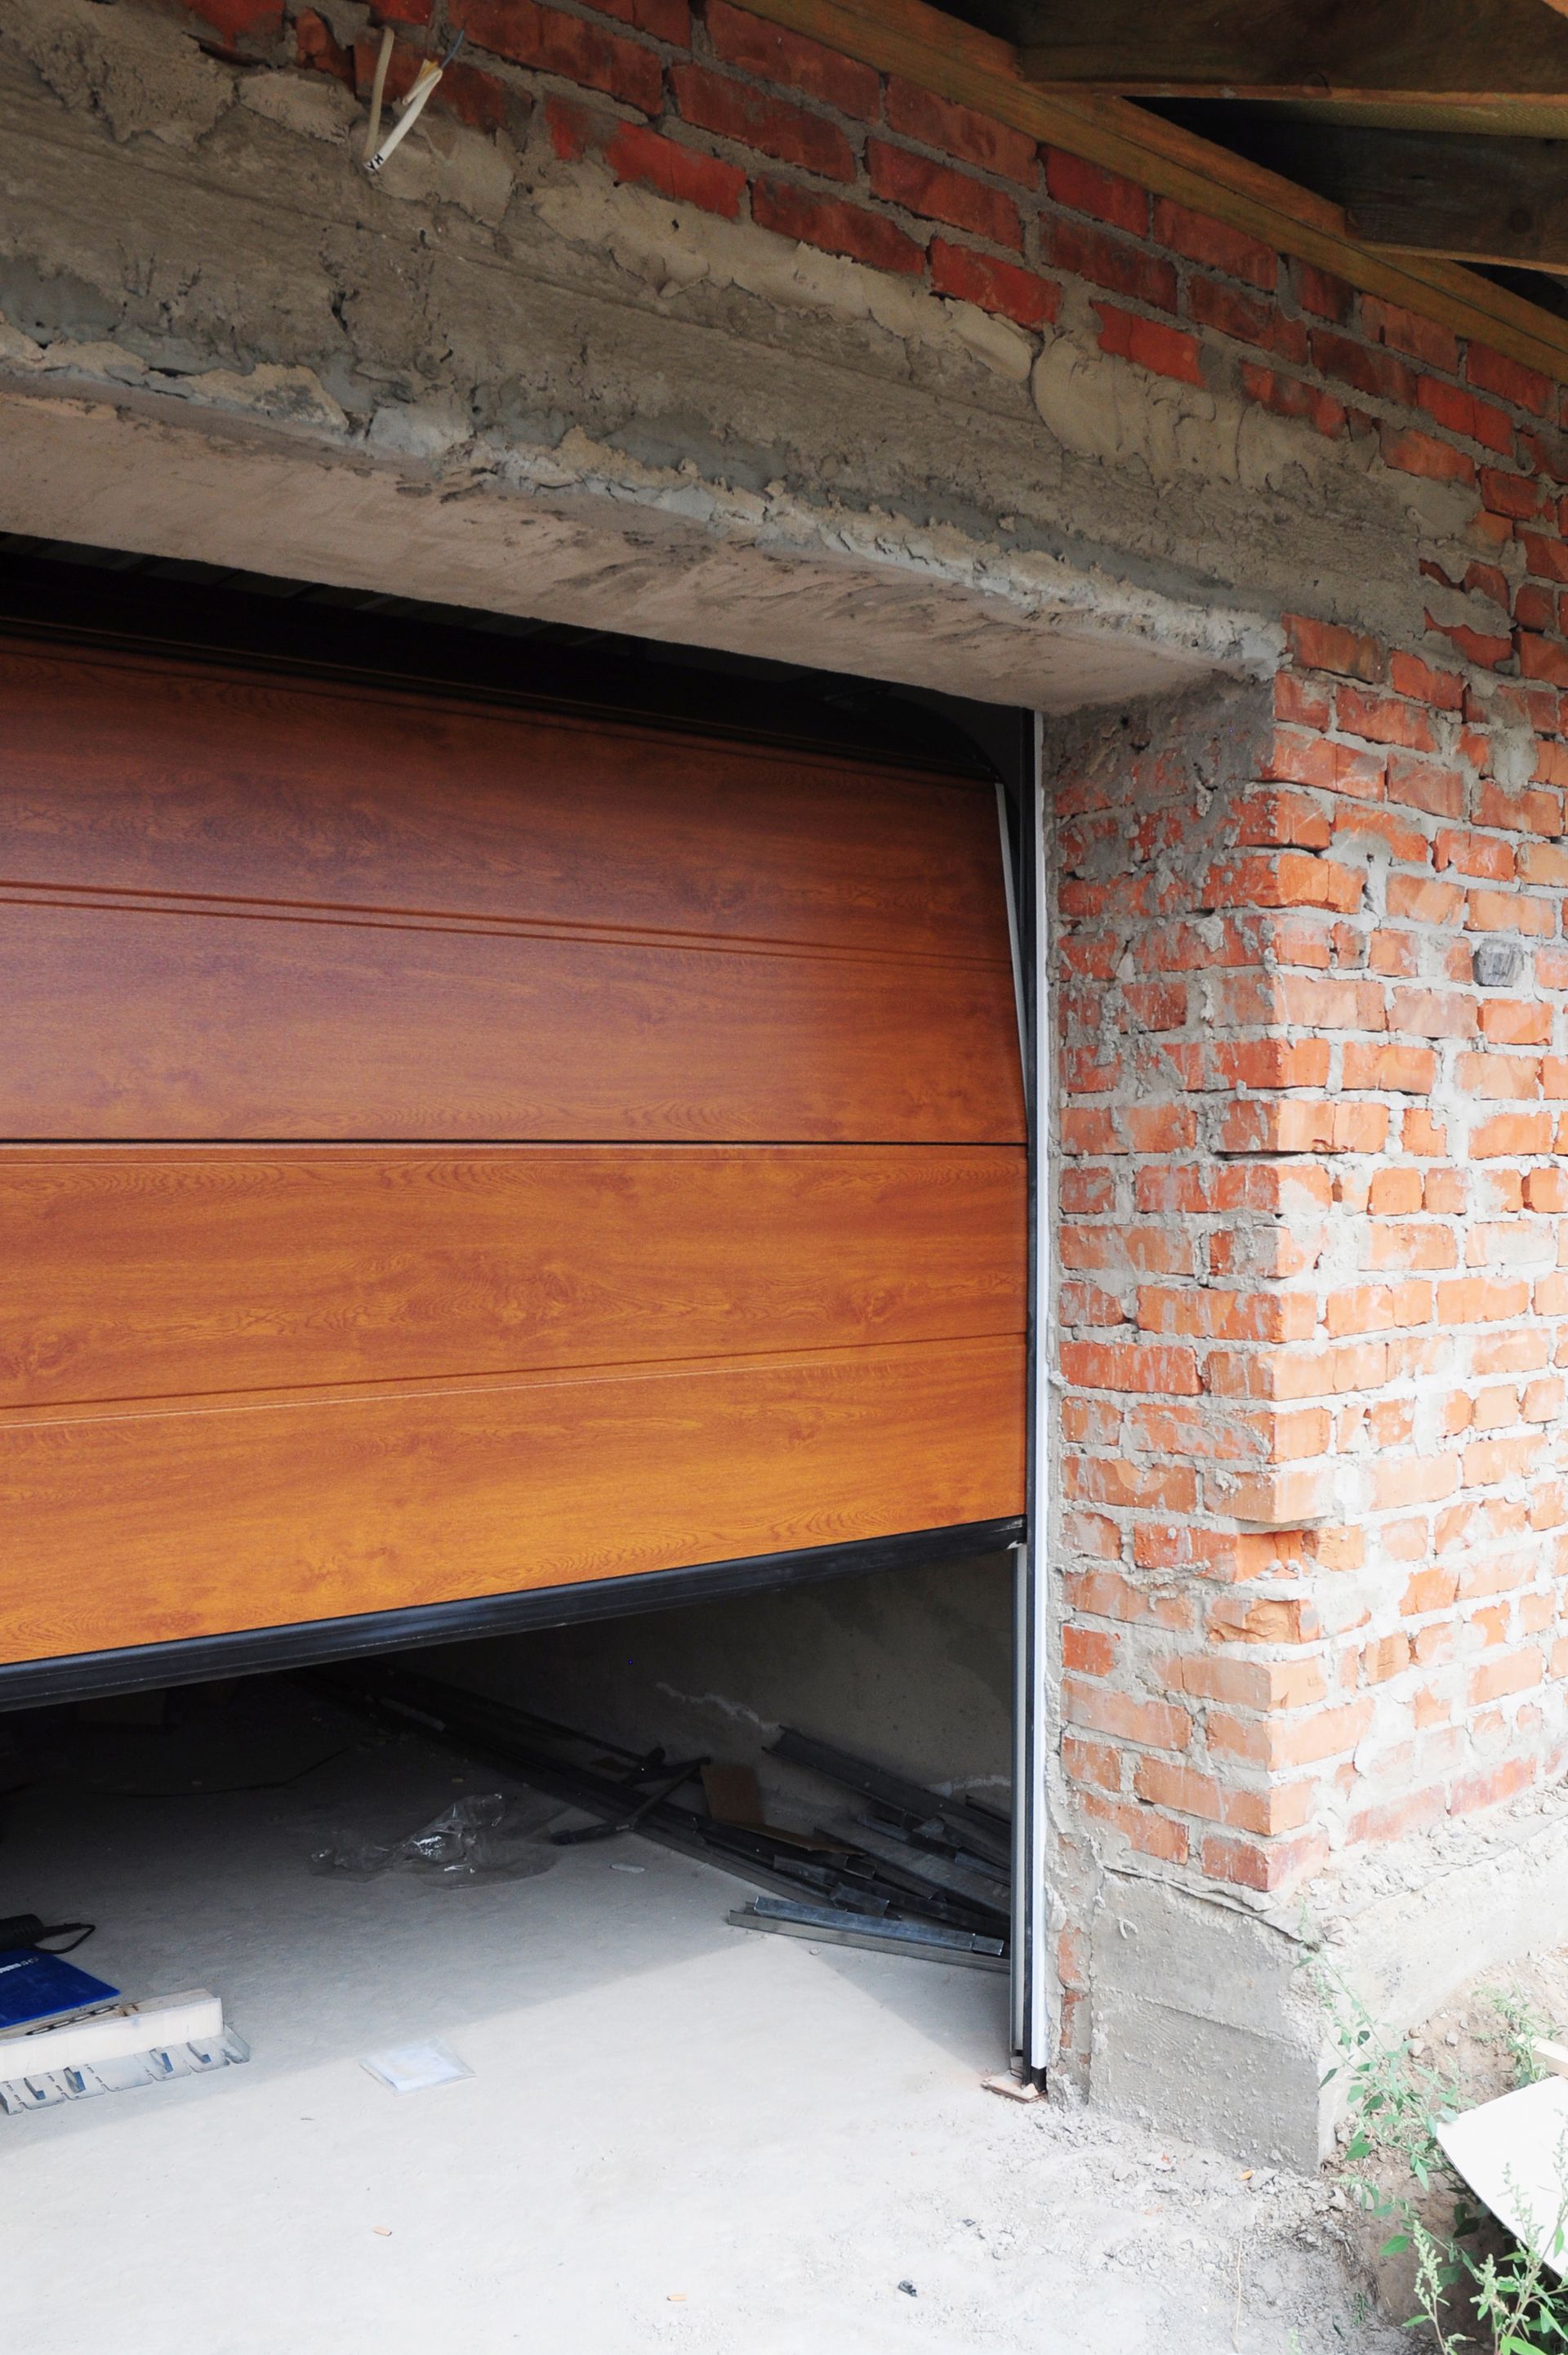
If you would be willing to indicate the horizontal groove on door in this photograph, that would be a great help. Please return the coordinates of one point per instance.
(142, 1527)
(206, 908)
(131, 777)
(424, 920)
(174, 1274)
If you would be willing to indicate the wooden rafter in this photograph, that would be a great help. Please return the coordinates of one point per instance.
(951, 58)
(1481, 52)
(1497, 200)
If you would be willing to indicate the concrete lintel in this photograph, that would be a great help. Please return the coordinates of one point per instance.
(584, 536)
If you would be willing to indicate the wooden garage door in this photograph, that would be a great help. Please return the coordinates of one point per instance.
(455, 1148)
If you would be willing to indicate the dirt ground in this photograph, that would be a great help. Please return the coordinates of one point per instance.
(1473, 2044)
(677, 2135)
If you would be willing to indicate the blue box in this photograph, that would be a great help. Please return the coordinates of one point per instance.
(35, 1986)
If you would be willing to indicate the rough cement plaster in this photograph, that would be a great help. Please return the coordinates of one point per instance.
(497, 326)
(580, 450)
(1210, 2013)
(912, 1668)
(1403, 1927)
(138, 472)
(1199, 2015)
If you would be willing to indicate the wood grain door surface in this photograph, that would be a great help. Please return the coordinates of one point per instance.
(450, 1148)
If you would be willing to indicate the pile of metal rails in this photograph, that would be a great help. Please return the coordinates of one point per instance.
(912, 1873)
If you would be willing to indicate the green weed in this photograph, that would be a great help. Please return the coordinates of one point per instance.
(1476, 2286)
(1521, 2022)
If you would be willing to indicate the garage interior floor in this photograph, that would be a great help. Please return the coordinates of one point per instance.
(677, 2134)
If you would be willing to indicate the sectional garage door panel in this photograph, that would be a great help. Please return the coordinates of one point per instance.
(142, 1024)
(264, 912)
(450, 1149)
(209, 1273)
(188, 782)
(148, 1527)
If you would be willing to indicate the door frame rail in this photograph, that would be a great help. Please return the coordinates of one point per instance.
(1035, 1992)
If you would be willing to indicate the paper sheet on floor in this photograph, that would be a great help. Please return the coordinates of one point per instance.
(409, 2068)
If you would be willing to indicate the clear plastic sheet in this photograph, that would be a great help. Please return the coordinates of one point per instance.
(482, 1837)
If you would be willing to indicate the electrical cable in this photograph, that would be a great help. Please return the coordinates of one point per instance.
(413, 106)
(378, 92)
(206, 1790)
(57, 1930)
(21, 1930)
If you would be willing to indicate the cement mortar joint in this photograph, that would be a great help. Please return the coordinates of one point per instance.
(138, 73)
(316, 106)
(674, 247)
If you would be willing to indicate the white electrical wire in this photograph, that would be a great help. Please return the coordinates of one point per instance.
(378, 92)
(412, 108)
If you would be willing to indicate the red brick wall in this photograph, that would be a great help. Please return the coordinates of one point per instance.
(1313, 1242)
(722, 110)
(1312, 1215)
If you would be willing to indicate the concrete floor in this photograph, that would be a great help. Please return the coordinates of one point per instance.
(677, 2135)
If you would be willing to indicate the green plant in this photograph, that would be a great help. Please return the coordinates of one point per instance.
(1394, 2108)
(1521, 2023)
(1524, 2311)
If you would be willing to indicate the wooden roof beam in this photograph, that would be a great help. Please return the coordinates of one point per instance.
(1469, 198)
(976, 68)
(1477, 52)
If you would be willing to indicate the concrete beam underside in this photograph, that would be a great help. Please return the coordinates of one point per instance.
(138, 472)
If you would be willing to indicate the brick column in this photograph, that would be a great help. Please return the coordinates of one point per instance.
(1310, 1306)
